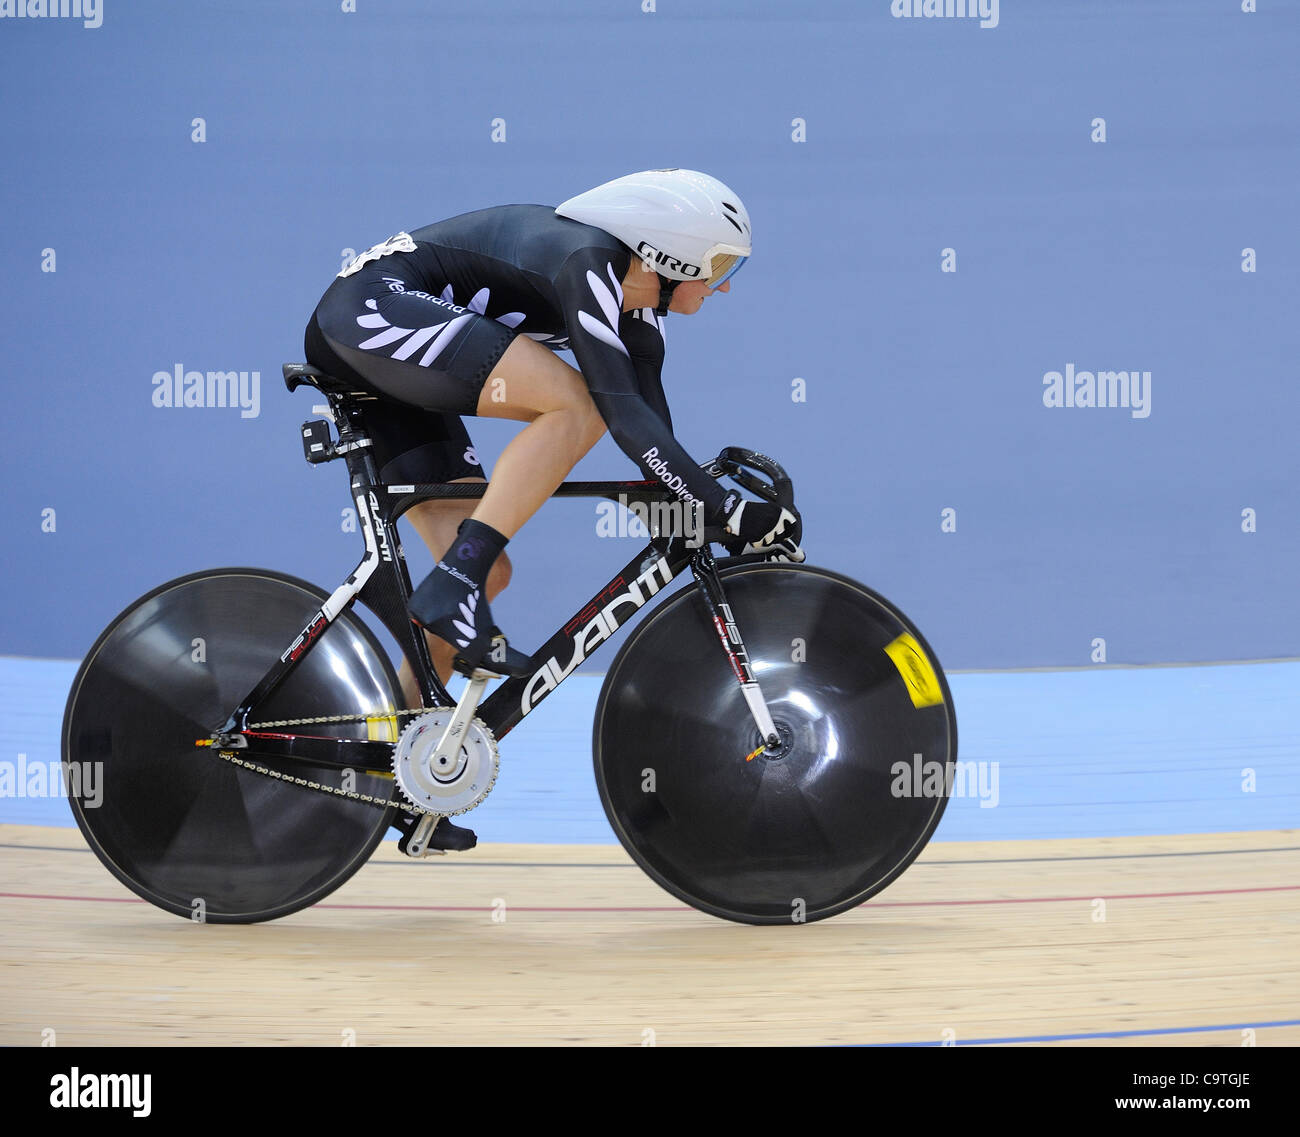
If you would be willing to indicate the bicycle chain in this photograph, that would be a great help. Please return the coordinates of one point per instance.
(353, 795)
(335, 791)
(341, 718)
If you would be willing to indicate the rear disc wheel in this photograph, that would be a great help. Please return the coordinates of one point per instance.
(179, 826)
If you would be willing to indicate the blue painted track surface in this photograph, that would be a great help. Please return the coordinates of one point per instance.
(1097, 753)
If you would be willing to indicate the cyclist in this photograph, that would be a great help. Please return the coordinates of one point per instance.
(464, 317)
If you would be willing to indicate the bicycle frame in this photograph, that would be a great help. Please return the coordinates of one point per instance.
(381, 582)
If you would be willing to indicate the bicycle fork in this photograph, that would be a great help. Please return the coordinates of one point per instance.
(705, 571)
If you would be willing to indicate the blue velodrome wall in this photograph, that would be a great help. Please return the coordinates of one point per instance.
(958, 221)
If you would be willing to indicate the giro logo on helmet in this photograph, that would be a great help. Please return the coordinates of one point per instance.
(648, 252)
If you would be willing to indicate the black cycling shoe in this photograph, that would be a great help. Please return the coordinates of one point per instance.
(452, 838)
(445, 606)
(445, 837)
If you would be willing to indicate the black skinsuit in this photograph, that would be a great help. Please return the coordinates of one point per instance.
(424, 317)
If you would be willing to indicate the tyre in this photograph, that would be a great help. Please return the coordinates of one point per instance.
(179, 826)
(826, 820)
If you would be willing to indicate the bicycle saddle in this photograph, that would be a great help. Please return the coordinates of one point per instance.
(296, 374)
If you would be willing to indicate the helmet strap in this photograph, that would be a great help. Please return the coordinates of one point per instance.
(666, 289)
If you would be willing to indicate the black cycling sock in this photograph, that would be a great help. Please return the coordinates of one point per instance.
(450, 602)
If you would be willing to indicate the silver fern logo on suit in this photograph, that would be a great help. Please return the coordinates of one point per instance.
(433, 337)
(436, 336)
(611, 305)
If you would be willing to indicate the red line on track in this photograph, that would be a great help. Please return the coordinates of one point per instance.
(101, 899)
(685, 908)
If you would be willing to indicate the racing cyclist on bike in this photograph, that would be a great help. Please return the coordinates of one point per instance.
(464, 317)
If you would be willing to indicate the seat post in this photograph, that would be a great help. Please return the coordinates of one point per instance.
(350, 421)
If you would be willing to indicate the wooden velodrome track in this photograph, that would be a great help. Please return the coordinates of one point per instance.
(556, 944)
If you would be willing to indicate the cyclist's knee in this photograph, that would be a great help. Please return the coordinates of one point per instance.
(593, 425)
(583, 425)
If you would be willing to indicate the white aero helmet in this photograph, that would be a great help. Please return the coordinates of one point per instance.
(683, 224)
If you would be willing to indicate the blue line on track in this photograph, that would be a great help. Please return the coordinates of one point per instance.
(1097, 1034)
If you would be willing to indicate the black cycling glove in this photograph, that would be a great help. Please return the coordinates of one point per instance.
(765, 527)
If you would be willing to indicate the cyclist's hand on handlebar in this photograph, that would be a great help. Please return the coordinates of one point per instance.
(766, 527)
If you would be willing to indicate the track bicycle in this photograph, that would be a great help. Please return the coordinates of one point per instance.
(255, 748)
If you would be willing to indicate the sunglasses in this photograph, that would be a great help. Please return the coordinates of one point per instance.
(724, 268)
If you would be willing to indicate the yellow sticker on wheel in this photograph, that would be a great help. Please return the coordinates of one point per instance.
(917, 671)
(382, 728)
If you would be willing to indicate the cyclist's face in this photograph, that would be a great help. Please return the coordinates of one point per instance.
(690, 294)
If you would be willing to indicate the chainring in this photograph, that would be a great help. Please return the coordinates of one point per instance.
(458, 784)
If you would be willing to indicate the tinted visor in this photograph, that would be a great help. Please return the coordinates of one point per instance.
(724, 268)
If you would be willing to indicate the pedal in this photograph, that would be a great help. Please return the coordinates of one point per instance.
(317, 446)
(415, 842)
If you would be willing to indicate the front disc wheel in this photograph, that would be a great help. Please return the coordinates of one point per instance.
(834, 811)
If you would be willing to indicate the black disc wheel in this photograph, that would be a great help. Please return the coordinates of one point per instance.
(183, 828)
(815, 825)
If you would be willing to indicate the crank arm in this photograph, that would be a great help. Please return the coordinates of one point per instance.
(417, 843)
(449, 743)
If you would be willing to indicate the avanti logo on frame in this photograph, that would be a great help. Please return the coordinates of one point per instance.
(89, 12)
